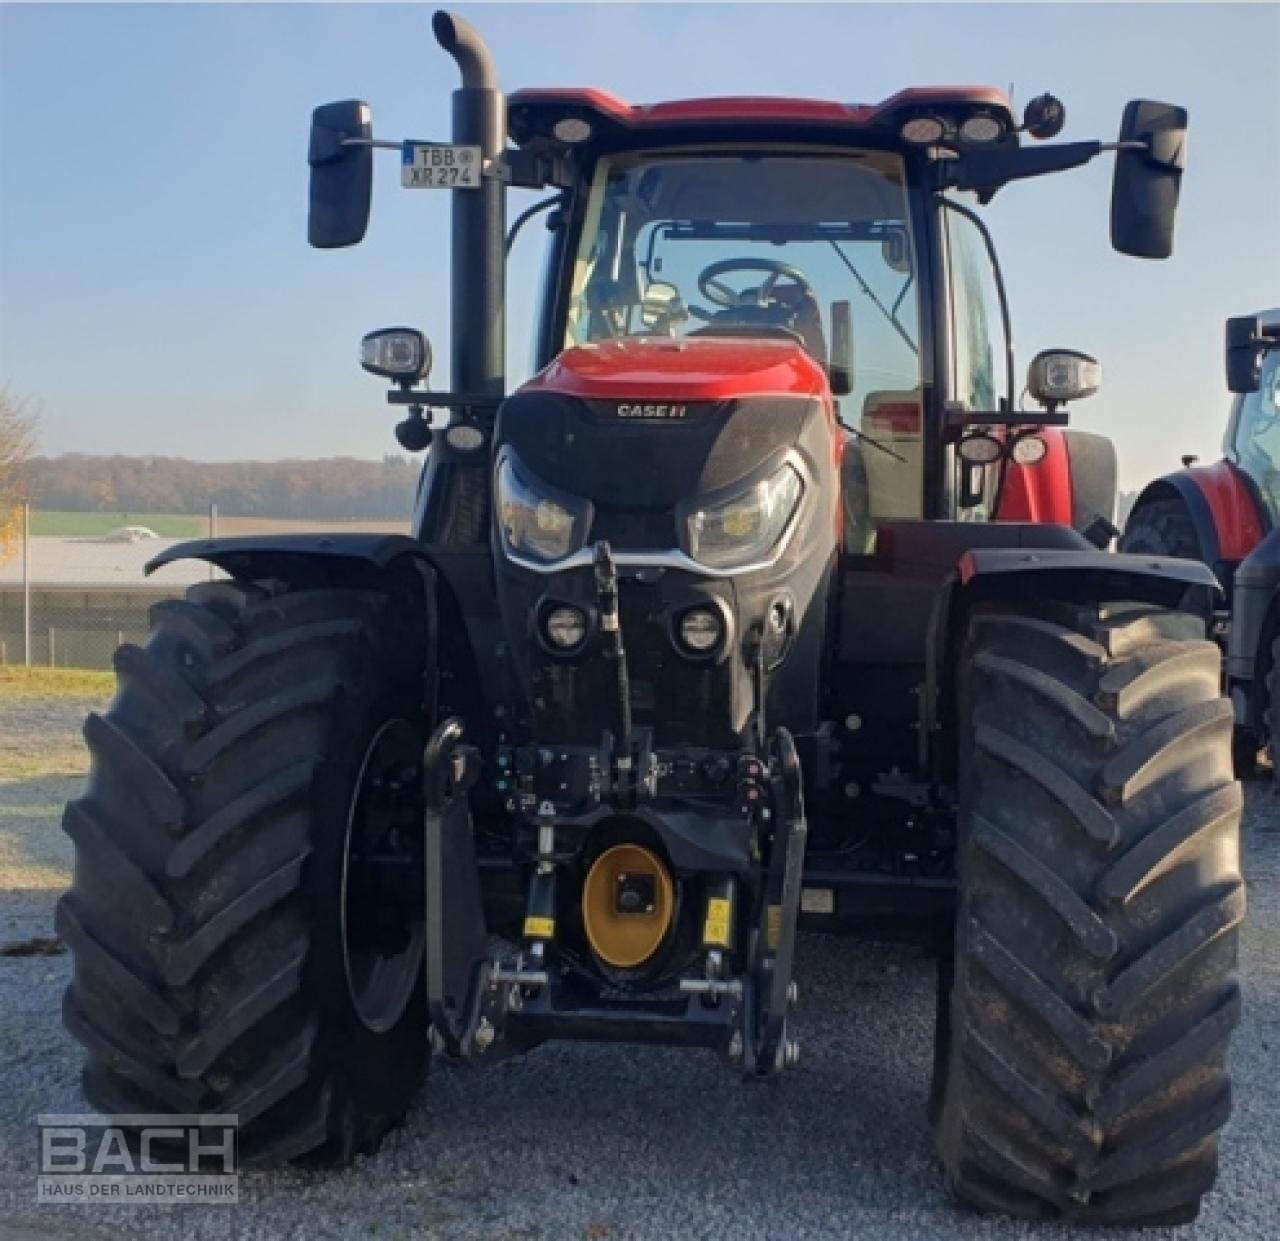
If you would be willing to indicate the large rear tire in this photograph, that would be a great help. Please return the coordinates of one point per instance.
(1162, 528)
(224, 961)
(1082, 1067)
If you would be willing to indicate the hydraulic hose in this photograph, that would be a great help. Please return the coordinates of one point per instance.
(611, 628)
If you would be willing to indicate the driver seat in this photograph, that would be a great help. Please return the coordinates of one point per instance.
(795, 310)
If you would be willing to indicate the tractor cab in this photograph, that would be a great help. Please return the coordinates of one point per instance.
(1252, 440)
(809, 245)
(796, 221)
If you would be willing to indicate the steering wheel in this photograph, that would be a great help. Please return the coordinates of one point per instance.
(718, 293)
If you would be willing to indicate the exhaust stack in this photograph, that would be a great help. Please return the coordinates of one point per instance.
(477, 329)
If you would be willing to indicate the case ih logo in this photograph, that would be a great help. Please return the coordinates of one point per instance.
(652, 411)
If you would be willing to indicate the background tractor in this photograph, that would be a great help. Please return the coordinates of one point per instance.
(1225, 515)
(702, 635)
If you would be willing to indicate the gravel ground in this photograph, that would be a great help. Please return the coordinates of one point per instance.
(601, 1142)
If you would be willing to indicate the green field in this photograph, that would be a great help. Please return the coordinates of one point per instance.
(89, 525)
(19, 683)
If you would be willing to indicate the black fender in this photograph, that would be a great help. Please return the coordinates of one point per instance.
(1180, 485)
(328, 559)
(456, 584)
(1010, 575)
(365, 559)
(1255, 624)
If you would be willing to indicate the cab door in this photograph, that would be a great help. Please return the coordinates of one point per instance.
(1253, 437)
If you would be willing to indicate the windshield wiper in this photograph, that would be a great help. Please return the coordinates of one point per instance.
(889, 315)
(862, 435)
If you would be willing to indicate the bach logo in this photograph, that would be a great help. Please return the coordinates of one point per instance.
(138, 1157)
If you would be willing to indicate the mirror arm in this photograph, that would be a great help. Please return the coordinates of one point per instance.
(383, 144)
(474, 403)
(989, 170)
(522, 169)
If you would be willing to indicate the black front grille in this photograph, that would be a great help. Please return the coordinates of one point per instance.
(635, 531)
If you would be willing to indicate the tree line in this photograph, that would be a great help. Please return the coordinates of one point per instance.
(339, 488)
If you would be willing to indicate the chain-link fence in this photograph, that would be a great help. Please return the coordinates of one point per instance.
(73, 587)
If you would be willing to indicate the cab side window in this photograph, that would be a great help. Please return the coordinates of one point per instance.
(978, 348)
(1258, 432)
(977, 327)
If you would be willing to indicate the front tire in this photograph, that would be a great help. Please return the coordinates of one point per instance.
(232, 782)
(1085, 1026)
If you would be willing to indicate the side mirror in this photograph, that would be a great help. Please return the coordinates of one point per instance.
(1057, 376)
(840, 368)
(1144, 191)
(341, 176)
(896, 252)
(661, 308)
(1243, 353)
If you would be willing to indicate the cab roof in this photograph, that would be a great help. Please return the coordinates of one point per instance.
(533, 111)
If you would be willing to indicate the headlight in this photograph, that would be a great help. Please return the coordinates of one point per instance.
(747, 527)
(534, 524)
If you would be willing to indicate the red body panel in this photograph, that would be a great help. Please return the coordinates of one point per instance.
(1040, 493)
(754, 110)
(656, 368)
(1232, 506)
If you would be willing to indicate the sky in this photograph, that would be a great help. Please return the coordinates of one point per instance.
(157, 295)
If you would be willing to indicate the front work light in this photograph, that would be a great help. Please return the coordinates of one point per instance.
(462, 437)
(1028, 449)
(1056, 376)
(572, 129)
(981, 128)
(980, 449)
(923, 131)
(399, 353)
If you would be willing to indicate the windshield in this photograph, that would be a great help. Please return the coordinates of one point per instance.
(808, 247)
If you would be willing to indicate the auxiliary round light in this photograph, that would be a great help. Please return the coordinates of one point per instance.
(700, 630)
(981, 128)
(923, 130)
(565, 627)
(1028, 449)
(980, 449)
(464, 438)
(572, 129)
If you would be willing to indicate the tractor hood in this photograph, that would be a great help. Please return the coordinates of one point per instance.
(638, 443)
(645, 424)
(662, 369)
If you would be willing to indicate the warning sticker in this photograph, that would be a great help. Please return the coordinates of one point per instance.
(716, 930)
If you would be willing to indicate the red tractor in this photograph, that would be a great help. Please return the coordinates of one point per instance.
(1226, 515)
(703, 635)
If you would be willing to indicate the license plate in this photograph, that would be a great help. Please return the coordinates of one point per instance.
(424, 167)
